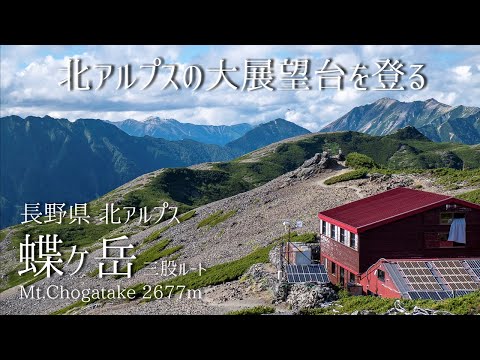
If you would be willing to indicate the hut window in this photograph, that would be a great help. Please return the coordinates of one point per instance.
(381, 275)
(352, 278)
(446, 218)
(334, 268)
(324, 227)
(342, 276)
(332, 231)
(353, 242)
(342, 236)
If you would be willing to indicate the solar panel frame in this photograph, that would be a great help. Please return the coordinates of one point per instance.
(454, 273)
(306, 273)
(414, 295)
(477, 272)
(454, 276)
(474, 265)
(430, 295)
(433, 295)
(419, 276)
(443, 295)
(462, 292)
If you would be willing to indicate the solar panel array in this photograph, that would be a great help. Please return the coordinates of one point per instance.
(306, 273)
(475, 266)
(435, 279)
(419, 276)
(436, 295)
(455, 275)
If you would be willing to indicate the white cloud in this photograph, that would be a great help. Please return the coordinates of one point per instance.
(447, 98)
(463, 72)
(387, 51)
(30, 76)
(347, 96)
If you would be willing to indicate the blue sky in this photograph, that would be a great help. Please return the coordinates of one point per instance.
(30, 76)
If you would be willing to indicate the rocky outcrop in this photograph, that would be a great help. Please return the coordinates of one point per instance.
(260, 277)
(450, 160)
(387, 182)
(274, 256)
(306, 296)
(280, 292)
(363, 312)
(311, 167)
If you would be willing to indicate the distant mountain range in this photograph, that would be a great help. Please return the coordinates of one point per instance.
(437, 121)
(266, 134)
(55, 160)
(171, 129)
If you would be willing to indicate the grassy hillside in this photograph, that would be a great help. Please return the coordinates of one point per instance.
(472, 196)
(195, 187)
